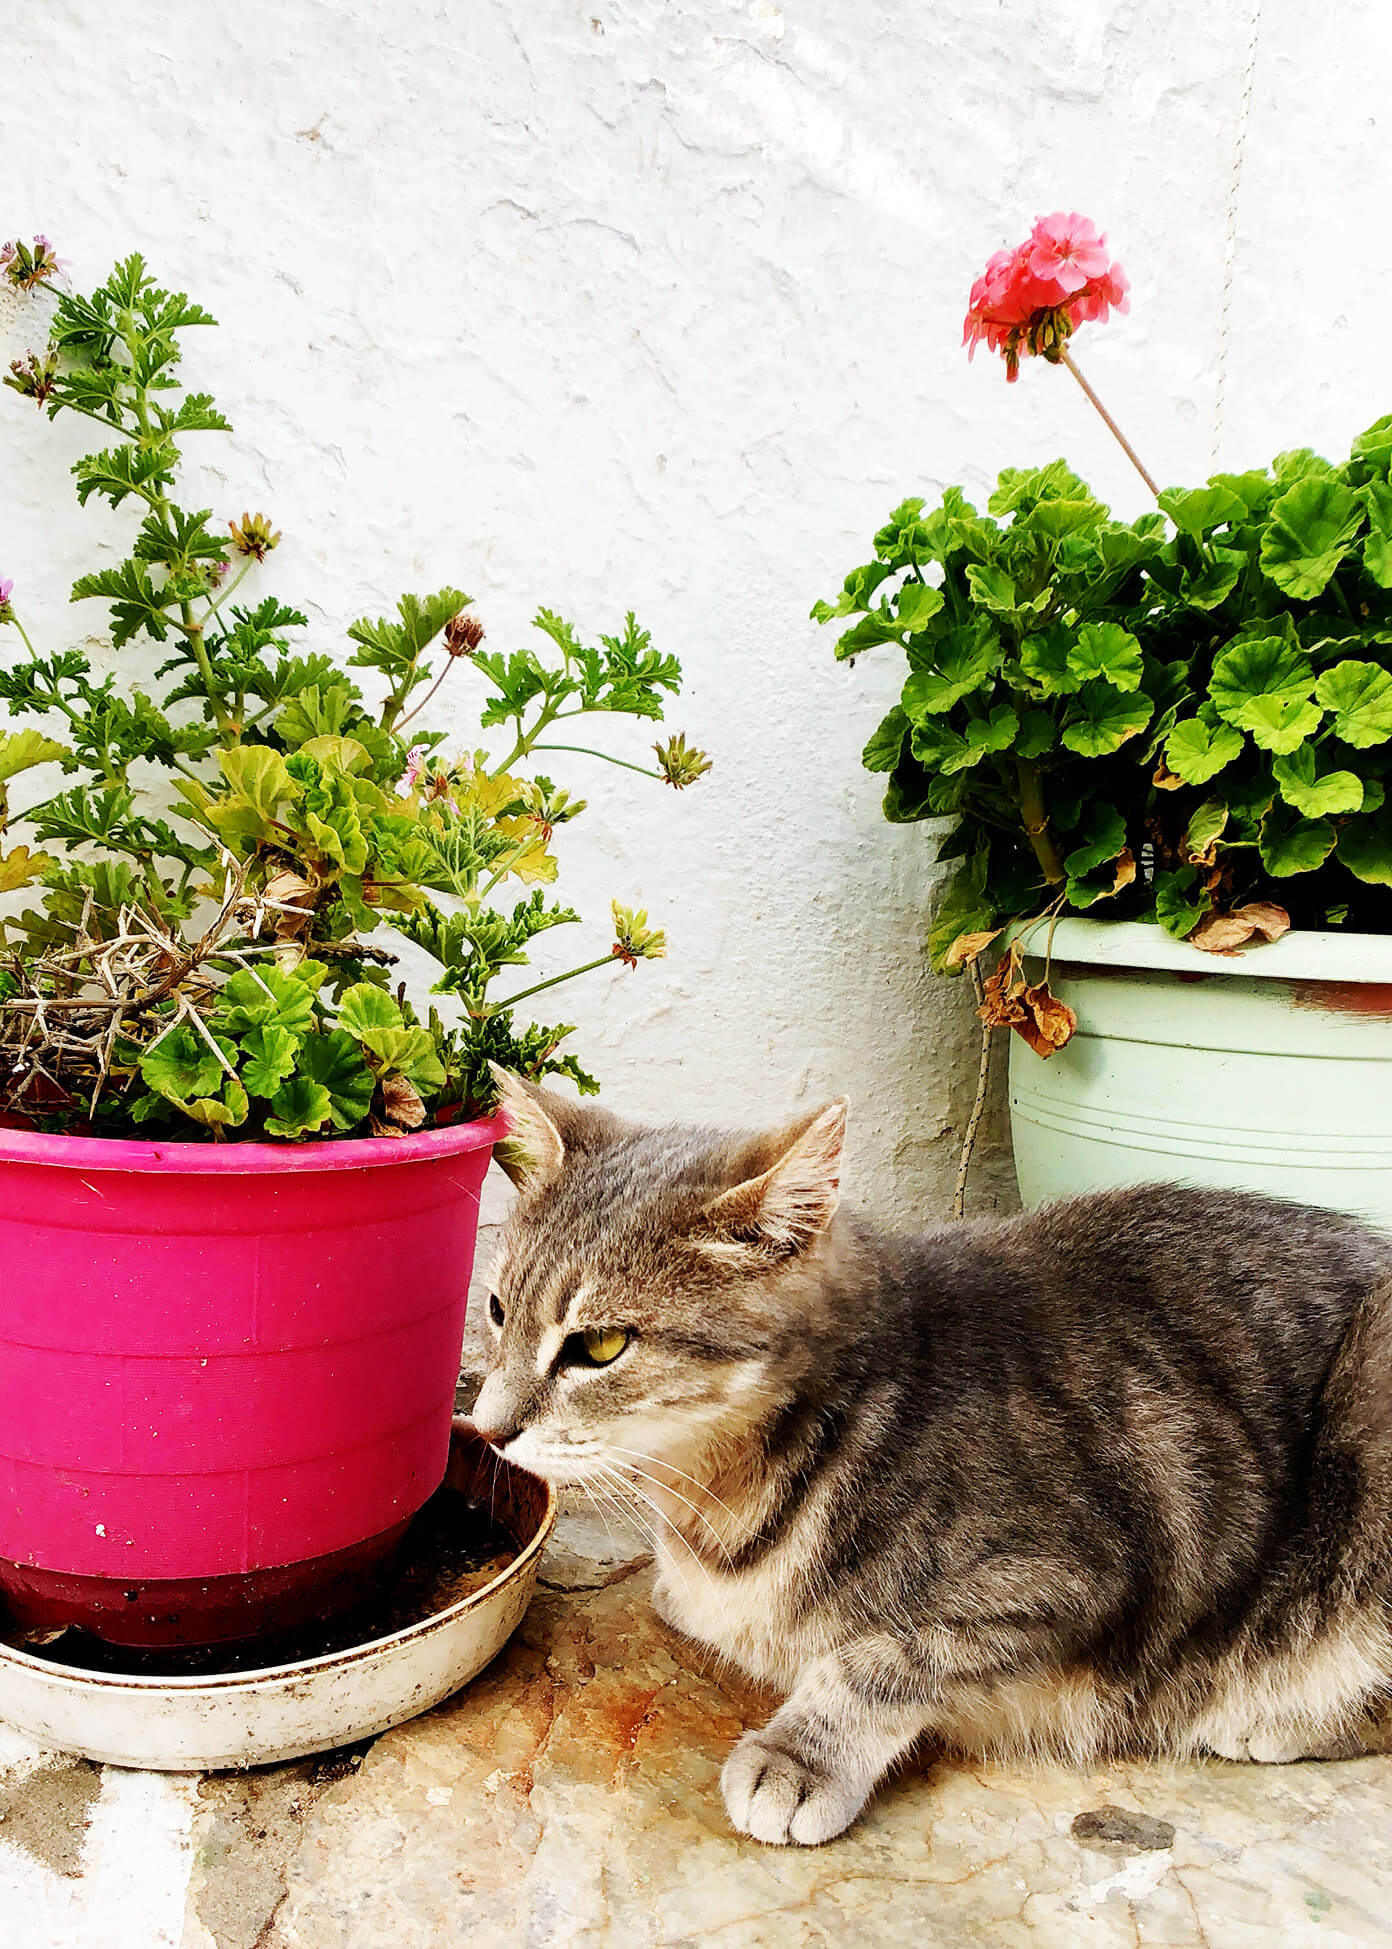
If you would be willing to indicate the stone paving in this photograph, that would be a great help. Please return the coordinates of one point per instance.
(570, 1796)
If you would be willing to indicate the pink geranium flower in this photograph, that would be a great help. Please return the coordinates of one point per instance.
(1067, 249)
(1031, 299)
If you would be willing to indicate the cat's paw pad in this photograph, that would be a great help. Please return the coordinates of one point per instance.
(776, 1797)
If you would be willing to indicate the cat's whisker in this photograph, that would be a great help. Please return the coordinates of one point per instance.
(668, 1529)
(642, 1456)
(700, 1516)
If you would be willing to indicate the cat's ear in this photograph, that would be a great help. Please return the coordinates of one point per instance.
(544, 1130)
(781, 1210)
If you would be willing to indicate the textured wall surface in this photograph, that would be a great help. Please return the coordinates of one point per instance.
(602, 303)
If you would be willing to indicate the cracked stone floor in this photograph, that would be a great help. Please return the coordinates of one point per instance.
(570, 1795)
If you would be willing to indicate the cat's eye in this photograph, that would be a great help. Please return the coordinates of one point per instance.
(596, 1346)
(495, 1309)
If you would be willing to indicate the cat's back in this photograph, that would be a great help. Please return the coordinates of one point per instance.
(1172, 1273)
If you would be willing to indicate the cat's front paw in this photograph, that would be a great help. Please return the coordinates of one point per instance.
(775, 1796)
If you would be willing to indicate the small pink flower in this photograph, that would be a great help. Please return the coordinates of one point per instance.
(6, 590)
(1068, 249)
(415, 766)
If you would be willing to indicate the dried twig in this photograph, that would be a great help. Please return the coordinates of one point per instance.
(959, 1195)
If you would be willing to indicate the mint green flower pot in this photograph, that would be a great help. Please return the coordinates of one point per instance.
(1270, 1070)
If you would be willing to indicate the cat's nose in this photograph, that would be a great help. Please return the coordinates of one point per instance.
(496, 1434)
(495, 1415)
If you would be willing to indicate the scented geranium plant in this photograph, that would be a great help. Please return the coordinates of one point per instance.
(217, 884)
(1185, 718)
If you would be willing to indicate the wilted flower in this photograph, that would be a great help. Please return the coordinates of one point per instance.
(636, 940)
(1031, 299)
(463, 634)
(34, 377)
(27, 266)
(254, 535)
(681, 764)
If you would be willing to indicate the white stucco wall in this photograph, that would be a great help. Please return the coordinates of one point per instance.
(602, 303)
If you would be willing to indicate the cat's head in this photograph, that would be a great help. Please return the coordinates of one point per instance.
(656, 1290)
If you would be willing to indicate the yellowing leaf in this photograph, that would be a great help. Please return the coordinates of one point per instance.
(19, 867)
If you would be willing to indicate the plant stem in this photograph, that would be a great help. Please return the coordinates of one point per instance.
(604, 961)
(959, 1194)
(585, 751)
(23, 634)
(1120, 437)
(1035, 818)
(399, 728)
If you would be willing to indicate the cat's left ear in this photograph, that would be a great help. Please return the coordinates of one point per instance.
(780, 1212)
(544, 1130)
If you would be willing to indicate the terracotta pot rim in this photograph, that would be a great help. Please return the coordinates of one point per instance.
(192, 1159)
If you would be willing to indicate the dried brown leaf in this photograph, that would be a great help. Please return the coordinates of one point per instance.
(1049, 1023)
(1267, 919)
(1165, 779)
(966, 947)
(401, 1103)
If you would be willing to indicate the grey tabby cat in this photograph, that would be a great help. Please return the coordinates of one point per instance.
(1116, 1474)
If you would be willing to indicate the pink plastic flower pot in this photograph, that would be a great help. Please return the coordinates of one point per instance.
(226, 1372)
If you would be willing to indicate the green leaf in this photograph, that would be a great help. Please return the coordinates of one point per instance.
(1102, 718)
(1198, 511)
(1308, 534)
(180, 1065)
(962, 661)
(940, 748)
(917, 604)
(19, 750)
(1106, 650)
(856, 593)
(259, 778)
(1375, 445)
(993, 733)
(882, 751)
(334, 1063)
(1036, 734)
(1046, 659)
(992, 588)
(1360, 695)
(1197, 749)
(1215, 581)
(270, 1054)
(964, 908)
(1336, 791)
(135, 602)
(1103, 838)
(1290, 844)
(1365, 848)
(271, 997)
(1180, 902)
(1206, 825)
(1262, 684)
(298, 1107)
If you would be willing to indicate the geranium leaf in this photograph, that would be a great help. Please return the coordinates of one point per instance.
(270, 1054)
(882, 750)
(1308, 533)
(334, 1063)
(1360, 695)
(1365, 848)
(1197, 750)
(1106, 650)
(1262, 684)
(1292, 844)
(19, 750)
(1336, 791)
(1102, 718)
(298, 1107)
(1180, 902)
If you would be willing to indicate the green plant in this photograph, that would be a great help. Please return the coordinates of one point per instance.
(195, 962)
(1185, 718)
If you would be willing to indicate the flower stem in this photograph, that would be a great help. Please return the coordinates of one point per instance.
(1121, 439)
(585, 751)
(604, 961)
(399, 728)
